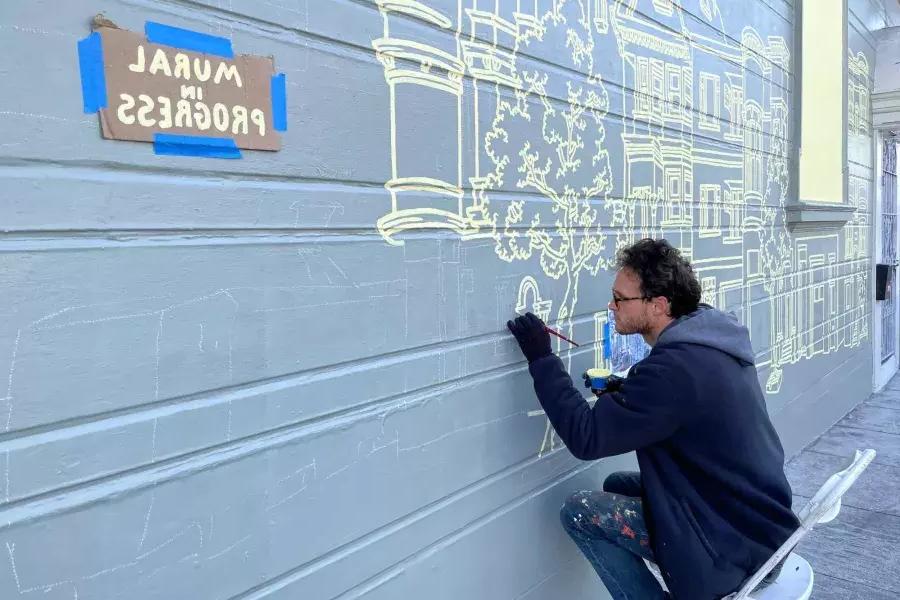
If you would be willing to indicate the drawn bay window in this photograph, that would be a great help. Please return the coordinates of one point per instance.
(710, 207)
(753, 153)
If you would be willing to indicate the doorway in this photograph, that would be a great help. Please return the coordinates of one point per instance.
(885, 313)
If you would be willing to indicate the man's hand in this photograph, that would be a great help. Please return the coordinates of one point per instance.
(532, 336)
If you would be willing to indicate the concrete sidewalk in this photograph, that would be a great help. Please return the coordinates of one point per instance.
(856, 556)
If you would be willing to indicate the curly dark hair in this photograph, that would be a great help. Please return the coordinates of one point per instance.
(663, 272)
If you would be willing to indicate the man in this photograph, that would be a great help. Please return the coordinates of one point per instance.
(711, 502)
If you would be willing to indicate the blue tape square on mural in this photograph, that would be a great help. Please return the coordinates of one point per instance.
(157, 33)
(279, 102)
(195, 145)
(93, 79)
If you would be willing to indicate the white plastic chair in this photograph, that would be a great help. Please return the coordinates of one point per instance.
(795, 581)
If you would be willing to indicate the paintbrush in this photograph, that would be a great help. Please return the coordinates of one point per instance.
(559, 335)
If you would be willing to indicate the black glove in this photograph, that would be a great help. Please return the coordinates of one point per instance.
(613, 384)
(532, 336)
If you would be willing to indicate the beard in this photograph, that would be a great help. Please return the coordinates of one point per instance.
(639, 325)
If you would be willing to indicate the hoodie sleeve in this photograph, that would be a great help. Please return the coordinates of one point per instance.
(645, 410)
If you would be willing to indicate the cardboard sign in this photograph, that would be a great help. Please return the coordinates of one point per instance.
(159, 88)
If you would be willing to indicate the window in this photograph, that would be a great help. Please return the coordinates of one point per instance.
(710, 107)
(735, 111)
(674, 107)
(819, 293)
(754, 268)
(674, 191)
(644, 106)
(674, 206)
(734, 217)
(710, 198)
(657, 84)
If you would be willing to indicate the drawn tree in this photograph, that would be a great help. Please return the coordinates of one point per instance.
(552, 149)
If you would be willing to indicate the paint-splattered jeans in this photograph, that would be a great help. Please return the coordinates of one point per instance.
(609, 529)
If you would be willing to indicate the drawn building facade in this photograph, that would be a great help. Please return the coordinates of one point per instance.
(288, 376)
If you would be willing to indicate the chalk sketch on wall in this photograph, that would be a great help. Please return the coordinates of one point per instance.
(529, 299)
(559, 172)
(858, 94)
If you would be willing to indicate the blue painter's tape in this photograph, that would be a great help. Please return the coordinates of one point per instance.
(607, 342)
(279, 102)
(93, 79)
(157, 33)
(195, 145)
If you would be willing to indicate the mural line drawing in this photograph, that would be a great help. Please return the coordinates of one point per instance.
(562, 130)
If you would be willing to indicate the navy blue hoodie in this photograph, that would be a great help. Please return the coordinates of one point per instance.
(716, 501)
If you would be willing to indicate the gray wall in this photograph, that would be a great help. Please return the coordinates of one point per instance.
(288, 376)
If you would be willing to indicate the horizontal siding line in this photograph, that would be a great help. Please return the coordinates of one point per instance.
(194, 177)
(824, 336)
(300, 234)
(809, 270)
(364, 587)
(367, 49)
(641, 126)
(246, 389)
(842, 366)
(867, 38)
(279, 581)
(23, 438)
(78, 495)
(858, 25)
(789, 8)
(785, 4)
(370, 52)
(620, 87)
(126, 173)
(622, 90)
(736, 42)
(623, 125)
(12, 244)
(763, 352)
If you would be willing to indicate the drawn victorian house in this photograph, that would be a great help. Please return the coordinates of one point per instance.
(424, 74)
(557, 131)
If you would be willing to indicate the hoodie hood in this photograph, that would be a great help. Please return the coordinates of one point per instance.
(707, 326)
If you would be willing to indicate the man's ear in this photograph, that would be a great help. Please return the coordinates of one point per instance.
(662, 306)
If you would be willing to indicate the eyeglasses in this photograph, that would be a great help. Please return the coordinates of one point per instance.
(615, 301)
